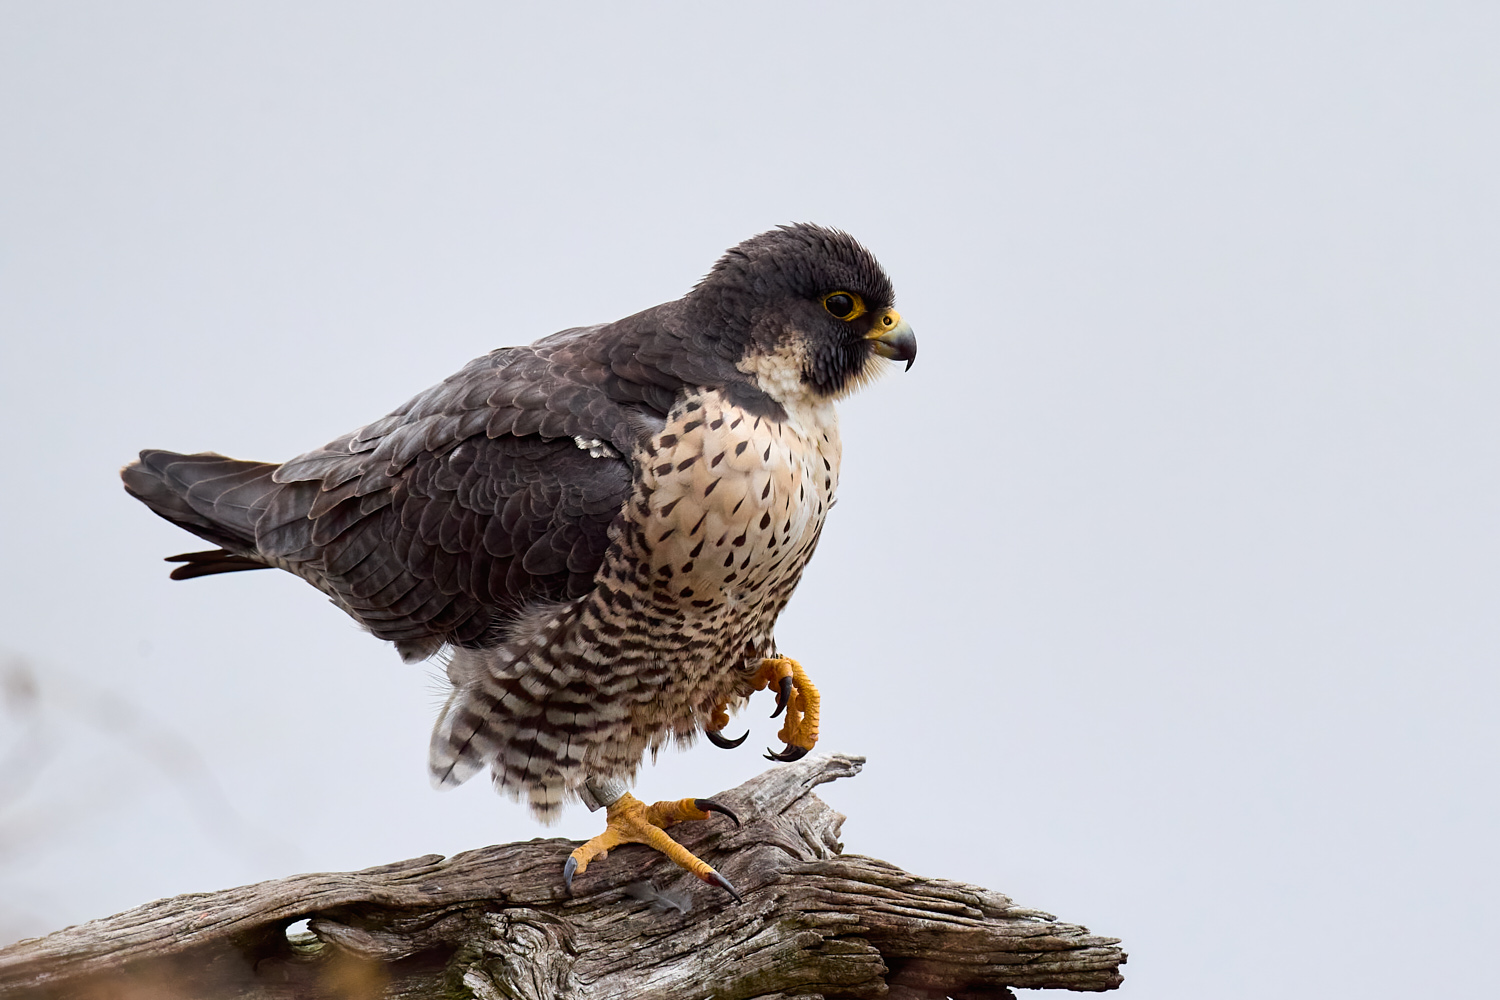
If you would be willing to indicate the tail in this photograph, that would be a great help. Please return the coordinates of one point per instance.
(216, 498)
(211, 562)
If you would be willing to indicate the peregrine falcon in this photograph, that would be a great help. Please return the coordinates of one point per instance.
(596, 532)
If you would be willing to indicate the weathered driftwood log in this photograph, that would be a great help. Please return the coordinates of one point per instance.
(498, 922)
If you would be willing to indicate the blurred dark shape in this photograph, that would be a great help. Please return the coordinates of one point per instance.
(44, 714)
(51, 709)
(30, 750)
(18, 684)
(349, 977)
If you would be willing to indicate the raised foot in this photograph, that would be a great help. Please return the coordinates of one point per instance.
(795, 695)
(631, 821)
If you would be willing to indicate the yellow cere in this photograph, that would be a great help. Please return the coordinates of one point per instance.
(884, 323)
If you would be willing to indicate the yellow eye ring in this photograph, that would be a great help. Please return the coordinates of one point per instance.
(844, 305)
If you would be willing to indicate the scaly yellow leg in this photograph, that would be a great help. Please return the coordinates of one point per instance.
(631, 821)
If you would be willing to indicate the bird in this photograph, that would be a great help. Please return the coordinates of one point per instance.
(593, 534)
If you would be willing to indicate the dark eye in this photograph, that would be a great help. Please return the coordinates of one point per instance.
(843, 305)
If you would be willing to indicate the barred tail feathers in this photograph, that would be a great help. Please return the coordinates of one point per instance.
(459, 744)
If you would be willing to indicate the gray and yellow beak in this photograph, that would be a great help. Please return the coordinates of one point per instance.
(893, 338)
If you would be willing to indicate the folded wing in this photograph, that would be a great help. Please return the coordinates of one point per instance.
(439, 522)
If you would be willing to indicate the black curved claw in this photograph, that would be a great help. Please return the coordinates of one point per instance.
(568, 870)
(725, 884)
(710, 806)
(788, 755)
(783, 694)
(721, 742)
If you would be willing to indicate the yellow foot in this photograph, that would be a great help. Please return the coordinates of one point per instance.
(631, 821)
(794, 693)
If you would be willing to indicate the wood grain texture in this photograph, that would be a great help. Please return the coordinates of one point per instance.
(498, 923)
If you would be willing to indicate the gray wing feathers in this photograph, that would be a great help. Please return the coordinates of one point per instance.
(445, 517)
(543, 390)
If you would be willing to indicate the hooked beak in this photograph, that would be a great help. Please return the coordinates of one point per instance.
(893, 338)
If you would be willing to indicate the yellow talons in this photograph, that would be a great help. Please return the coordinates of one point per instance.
(795, 693)
(714, 730)
(631, 821)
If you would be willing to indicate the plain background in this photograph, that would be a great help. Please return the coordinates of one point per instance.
(1161, 593)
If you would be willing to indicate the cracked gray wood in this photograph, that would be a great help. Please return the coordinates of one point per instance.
(498, 923)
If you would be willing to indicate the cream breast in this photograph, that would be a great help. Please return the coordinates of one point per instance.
(737, 500)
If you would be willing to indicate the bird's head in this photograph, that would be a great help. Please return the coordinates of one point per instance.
(806, 311)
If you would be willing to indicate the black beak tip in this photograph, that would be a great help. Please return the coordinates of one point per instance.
(908, 351)
(898, 345)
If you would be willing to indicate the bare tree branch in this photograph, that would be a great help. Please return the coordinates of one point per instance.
(498, 923)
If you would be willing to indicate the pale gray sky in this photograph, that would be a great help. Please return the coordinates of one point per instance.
(1161, 592)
